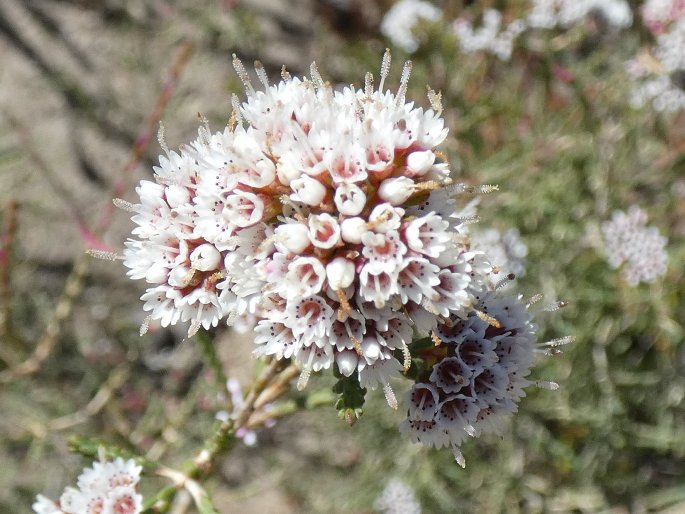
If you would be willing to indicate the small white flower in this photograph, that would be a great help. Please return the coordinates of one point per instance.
(399, 22)
(350, 199)
(324, 231)
(305, 277)
(106, 488)
(307, 190)
(397, 498)
(292, 237)
(642, 248)
(340, 273)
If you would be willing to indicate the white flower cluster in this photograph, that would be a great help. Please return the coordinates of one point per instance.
(491, 37)
(106, 488)
(506, 250)
(660, 74)
(399, 22)
(547, 14)
(324, 214)
(642, 248)
(478, 373)
(329, 218)
(657, 15)
(397, 498)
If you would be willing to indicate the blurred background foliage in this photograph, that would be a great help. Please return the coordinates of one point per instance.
(552, 127)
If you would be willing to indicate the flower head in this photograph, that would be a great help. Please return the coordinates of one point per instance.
(106, 488)
(641, 248)
(476, 374)
(303, 213)
(400, 20)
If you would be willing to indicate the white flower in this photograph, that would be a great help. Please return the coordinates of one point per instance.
(397, 498)
(657, 74)
(399, 22)
(491, 37)
(642, 248)
(44, 505)
(106, 488)
(302, 216)
(505, 250)
(548, 14)
(658, 14)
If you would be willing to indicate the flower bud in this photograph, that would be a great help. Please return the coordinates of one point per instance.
(352, 230)
(371, 349)
(308, 190)
(177, 276)
(176, 195)
(291, 238)
(396, 190)
(287, 172)
(156, 274)
(349, 199)
(347, 362)
(418, 163)
(340, 273)
(205, 258)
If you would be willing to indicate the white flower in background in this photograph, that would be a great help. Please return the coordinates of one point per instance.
(639, 248)
(106, 488)
(548, 14)
(303, 213)
(660, 74)
(401, 19)
(491, 37)
(397, 498)
(659, 14)
(506, 250)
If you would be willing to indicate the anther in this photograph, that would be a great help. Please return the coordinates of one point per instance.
(488, 319)
(316, 76)
(261, 73)
(235, 104)
(124, 205)
(344, 309)
(145, 325)
(194, 327)
(534, 299)
(357, 346)
(544, 384)
(303, 380)
(435, 100)
(368, 84)
(161, 139)
(404, 80)
(390, 396)
(560, 341)
(242, 74)
(555, 306)
(385, 68)
(406, 356)
(285, 74)
(104, 255)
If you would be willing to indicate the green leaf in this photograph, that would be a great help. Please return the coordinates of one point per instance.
(351, 398)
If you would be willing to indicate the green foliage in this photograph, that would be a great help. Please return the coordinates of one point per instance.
(351, 398)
